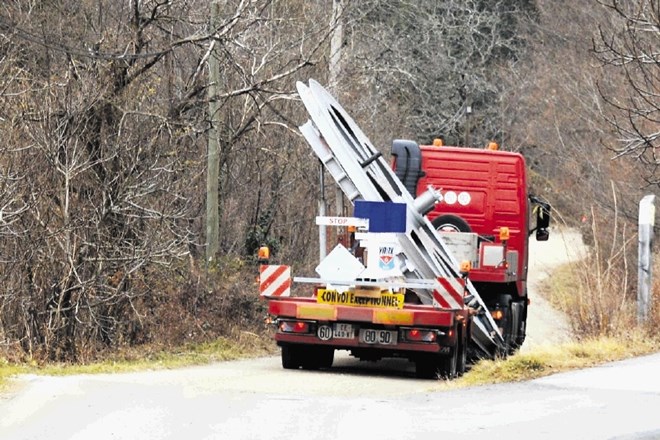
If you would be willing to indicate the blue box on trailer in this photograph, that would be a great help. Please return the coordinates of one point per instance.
(383, 216)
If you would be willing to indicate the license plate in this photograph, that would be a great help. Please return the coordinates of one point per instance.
(380, 337)
(343, 331)
(336, 331)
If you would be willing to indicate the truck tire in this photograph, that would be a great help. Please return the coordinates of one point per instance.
(450, 223)
(438, 366)
(427, 367)
(449, 363)
(315, 358)
(461, 362)
(522, 325)
(509, 326)
(291, 357)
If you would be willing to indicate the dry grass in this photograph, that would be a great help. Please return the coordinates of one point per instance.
(598, 295)
(547, 360)
(240, 345)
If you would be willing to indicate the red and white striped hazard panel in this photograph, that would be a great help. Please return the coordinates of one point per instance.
(274, 281)
(449, 293)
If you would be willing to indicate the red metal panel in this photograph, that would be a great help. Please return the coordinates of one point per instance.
(354, 343)
(362, 314)
(282, 308)
(306, 308)
(433, 318)
(495, 181)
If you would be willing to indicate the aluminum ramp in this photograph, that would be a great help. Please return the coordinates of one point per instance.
(362, 173)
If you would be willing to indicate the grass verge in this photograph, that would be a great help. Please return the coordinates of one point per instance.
(246, 345)
(546, 360)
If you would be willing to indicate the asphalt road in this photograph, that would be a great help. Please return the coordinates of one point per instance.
(255, 399)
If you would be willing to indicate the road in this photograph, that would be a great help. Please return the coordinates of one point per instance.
(254, 399)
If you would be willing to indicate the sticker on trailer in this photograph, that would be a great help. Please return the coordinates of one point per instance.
(386, 257)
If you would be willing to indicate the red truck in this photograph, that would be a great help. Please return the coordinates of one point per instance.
(435, 268)
(485, 193)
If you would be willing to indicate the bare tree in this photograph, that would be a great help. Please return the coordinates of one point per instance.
(104, 104)
(630, 44)
(423, 63)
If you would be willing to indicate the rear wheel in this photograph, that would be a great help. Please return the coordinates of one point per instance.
(318, 357)
(291, 357)
(308, 357)
(427, 367)
(461, 364)
(449, 364)
(438, 366)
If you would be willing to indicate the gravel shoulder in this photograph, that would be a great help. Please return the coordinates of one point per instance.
(545, 324)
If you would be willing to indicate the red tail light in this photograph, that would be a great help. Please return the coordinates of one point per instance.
(420, 335)
(294, 326)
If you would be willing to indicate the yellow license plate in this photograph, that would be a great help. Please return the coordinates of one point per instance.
(348, 298)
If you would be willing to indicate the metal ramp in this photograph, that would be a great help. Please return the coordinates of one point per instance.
(362, 173)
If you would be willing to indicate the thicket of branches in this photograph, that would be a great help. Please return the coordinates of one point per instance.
(104, 118)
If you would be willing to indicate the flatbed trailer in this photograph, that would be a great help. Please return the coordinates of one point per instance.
(411, 298)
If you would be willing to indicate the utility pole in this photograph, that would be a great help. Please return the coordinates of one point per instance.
(334, 71)
(213, 154)
(645, 260)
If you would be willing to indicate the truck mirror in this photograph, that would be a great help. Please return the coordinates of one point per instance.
(542, 234)
(543, 216)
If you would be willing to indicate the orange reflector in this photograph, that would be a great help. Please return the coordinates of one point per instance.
(393, 317)
(493, 146)
(264, 253)
(316, 311)
(497, 314)
(504, 233)
(437, 142)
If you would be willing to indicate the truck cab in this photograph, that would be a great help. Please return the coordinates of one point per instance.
(486, 218)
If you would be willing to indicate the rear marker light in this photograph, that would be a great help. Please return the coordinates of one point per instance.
(497, 314)
(420, 335)
(294, 327)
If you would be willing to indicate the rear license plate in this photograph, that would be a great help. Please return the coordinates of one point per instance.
(343, 331)
(380, 337)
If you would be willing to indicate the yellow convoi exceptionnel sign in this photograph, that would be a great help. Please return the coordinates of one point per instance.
(348, 298)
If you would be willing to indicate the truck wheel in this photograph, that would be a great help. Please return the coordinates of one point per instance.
(318, 357)
(326, 356)
(450, 223)
(314, 358)
(461, 363)
(449, 363)
(437, 366)
(509, 327)
(427, 367)
(291, 357)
